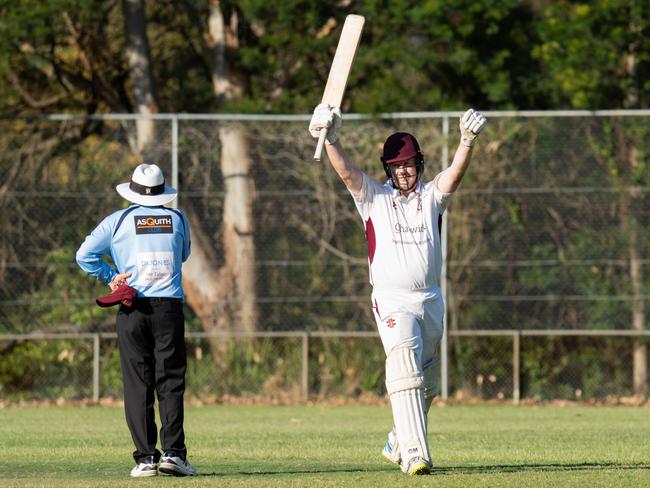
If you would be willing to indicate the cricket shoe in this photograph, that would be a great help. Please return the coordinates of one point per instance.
(172, 464)
(391, 448)
(416, 466)
(146, 467)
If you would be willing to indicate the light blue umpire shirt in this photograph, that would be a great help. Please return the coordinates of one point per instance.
(151, 243)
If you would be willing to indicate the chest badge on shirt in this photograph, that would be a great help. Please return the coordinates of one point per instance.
(153, 224)
(390, 322)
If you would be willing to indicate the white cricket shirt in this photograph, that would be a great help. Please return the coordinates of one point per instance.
(403, 234)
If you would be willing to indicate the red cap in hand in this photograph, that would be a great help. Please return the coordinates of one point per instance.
(123, 294)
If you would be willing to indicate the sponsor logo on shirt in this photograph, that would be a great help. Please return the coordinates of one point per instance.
(153, 224)
(399, 228)
(155, 268)
(390, 322)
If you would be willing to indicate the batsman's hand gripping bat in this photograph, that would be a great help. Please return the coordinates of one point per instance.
(340, 69)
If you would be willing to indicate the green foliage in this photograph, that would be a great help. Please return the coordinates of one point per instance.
(53, 52)
(444, 55)
(481, 367)
(346, 367)
(270, 369)
(68, 56)
(575, 368)
(414, 55)
(42, 370)
(67, 284)
(110, 385)
(595, 55)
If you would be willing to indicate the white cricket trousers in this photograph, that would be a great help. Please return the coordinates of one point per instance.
(412, 319)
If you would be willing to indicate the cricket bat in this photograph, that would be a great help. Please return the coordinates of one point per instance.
(340, 69)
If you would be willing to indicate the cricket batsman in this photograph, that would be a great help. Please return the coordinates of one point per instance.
(402, 220)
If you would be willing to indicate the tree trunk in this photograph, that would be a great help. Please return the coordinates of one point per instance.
(238, 223)
(640, 350)
(640, 353)
(139, 58)
(630, 226)
(225, 298)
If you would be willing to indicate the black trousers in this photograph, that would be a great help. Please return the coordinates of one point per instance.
(152, 355)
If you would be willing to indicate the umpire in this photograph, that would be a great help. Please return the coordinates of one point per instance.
(148, 244)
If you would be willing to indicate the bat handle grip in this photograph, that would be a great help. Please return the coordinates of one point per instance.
(321, 141)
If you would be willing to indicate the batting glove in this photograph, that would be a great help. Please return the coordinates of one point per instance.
(471, 125)
(325, 117)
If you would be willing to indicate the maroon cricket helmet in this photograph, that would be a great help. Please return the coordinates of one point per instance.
(123, 294)
(401, 146)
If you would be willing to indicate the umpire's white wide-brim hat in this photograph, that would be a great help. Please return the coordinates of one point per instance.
(147, 187)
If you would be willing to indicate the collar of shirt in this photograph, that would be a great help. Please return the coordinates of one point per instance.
(419, 187)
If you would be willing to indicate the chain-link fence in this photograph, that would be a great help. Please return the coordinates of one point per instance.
(548, 231)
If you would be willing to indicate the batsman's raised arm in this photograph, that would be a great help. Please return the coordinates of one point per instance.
(329, 119)
(471, 124)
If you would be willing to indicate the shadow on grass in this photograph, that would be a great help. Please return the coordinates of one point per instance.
(517, 468)
(496, 469)
(316, 470)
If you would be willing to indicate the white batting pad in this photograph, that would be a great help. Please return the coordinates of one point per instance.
(431, 381)
(405, 385)
(402, 370)
(410, 424)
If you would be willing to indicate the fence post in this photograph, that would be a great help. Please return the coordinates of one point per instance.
(305, 366)
(516, 364)
(96, 368)
(174, 151)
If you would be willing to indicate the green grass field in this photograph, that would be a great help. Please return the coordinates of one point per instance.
(486, 445)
